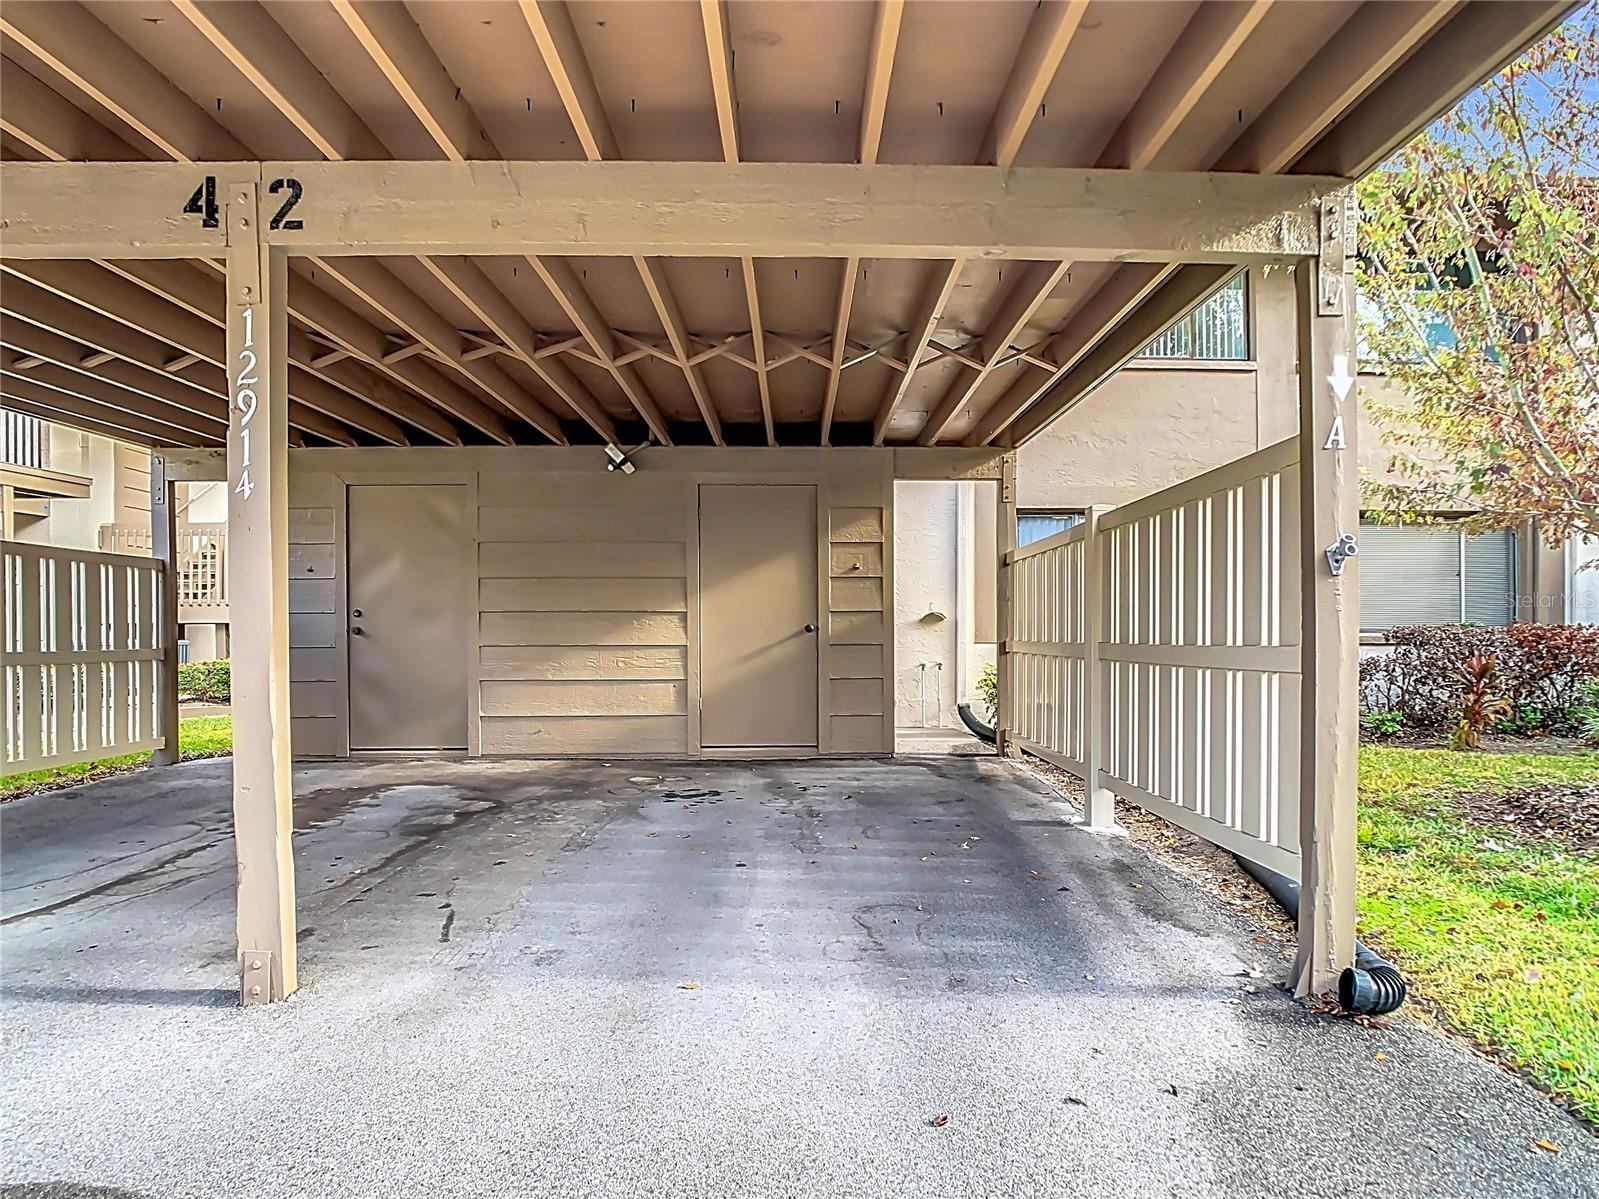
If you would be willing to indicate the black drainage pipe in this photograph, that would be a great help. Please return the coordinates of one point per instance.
(1372, 986)
(979, 730)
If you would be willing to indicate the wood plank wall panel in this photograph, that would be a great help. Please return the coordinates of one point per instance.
(318, 706)
(860, 702)
(584, 580)
(583, 613)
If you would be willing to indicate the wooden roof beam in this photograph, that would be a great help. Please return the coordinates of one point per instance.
(758, 349)
(1426, 84)
(119, 298)
(257, 47)
(942, 278)
(568, 291)
(94, 61)
(551, 26)
(1109, 304)
(671, 317)
(1048, 37)
(124, 413)
(466, 280)
(1370, 44)
(52, 312)
(102, 390)
(203, 294)
(75, 420)
(1212, 38)
(380, 288)
(1188, 287)
(1007, 325)
(40, 118)
(395, 44)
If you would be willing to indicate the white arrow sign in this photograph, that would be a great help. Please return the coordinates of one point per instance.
(1341, 379)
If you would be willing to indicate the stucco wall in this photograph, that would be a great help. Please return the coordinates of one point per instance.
(926, 603)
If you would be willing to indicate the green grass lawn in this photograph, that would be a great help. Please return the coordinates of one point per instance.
(1500, 934)
(199, 737)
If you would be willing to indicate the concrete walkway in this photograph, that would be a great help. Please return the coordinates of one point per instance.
(585, 980)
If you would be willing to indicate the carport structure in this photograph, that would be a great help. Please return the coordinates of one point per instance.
(426, 269)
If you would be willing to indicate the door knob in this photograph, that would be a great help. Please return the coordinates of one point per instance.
(355, 630)
(810, 628)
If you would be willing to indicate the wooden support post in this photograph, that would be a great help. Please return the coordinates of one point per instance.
(1004, 543)
(8, 513)
(258, 524)
(1329, 520)
(164, 549)
(1099, 804)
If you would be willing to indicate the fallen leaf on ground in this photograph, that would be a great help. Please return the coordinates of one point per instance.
(688, 986)
(939, 1120)
(1379, 1056)
(1074, 1101)
(1171, 1088)
(853, 845)
(1547, 1146)
(1038, 878)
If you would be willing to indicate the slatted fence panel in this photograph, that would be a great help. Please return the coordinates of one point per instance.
(81, 652)
(1199, 653)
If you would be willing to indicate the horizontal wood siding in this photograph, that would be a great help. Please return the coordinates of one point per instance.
(318, 693)
(583, 613)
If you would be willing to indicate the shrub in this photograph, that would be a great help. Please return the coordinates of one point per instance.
(211, 682)
(988, 690)
(1384, 723)
(1541, 671)
(1587, 713)
(1480, 701)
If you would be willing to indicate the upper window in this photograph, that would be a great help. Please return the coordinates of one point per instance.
(1216, 331)
(1038, 523)
(1432, 574)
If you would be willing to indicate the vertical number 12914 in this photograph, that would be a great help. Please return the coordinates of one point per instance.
(244, 401)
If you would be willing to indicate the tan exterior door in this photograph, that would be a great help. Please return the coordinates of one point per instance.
(758, 616)
(409, 631)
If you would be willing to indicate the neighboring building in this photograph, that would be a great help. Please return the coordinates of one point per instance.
(1202, 395)
(81, 490)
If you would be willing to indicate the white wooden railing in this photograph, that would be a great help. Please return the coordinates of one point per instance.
(81, 651)
(1176, 684)
(22, 439)
(202, 565)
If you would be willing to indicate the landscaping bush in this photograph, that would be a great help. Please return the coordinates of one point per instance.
(1542, 670)
(210, 682)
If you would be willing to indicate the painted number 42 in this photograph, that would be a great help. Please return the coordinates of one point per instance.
(203, 203)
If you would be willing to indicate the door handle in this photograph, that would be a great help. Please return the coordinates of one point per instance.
(810, 628)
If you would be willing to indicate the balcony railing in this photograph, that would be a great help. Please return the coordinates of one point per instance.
(202, 565)
(22, 440)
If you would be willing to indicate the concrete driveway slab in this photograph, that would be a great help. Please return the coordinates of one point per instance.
(579, 979)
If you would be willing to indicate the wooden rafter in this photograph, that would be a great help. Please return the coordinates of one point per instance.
(1213, 37)
(102, 390)
(54, 129)
(111, 340)
(1188, 287)
(758, 349)
(1106, 307)
(123, 409)
(380, 288)
(551, 26)
(563, 284)
(1048, 37)
(1018, 307)
(1368, 46)
(257, 47)
(671, 318)
(119, 299)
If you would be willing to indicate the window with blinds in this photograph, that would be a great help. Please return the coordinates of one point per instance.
(1435, 575)
(1216, 331)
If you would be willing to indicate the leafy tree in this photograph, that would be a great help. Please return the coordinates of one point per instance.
(1479, 277)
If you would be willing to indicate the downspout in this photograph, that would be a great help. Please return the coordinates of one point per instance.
(1372, 986)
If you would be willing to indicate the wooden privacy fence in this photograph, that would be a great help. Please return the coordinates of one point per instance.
(1155, 653)
(81, 652)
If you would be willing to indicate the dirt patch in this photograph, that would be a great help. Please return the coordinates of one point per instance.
(1552, 812)
(1493, 743)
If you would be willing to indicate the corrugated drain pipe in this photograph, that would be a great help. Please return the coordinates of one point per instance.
(979, 730)
(1372, 986)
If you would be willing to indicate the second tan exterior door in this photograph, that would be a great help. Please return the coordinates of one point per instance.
(758, 616)
(409, 547)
